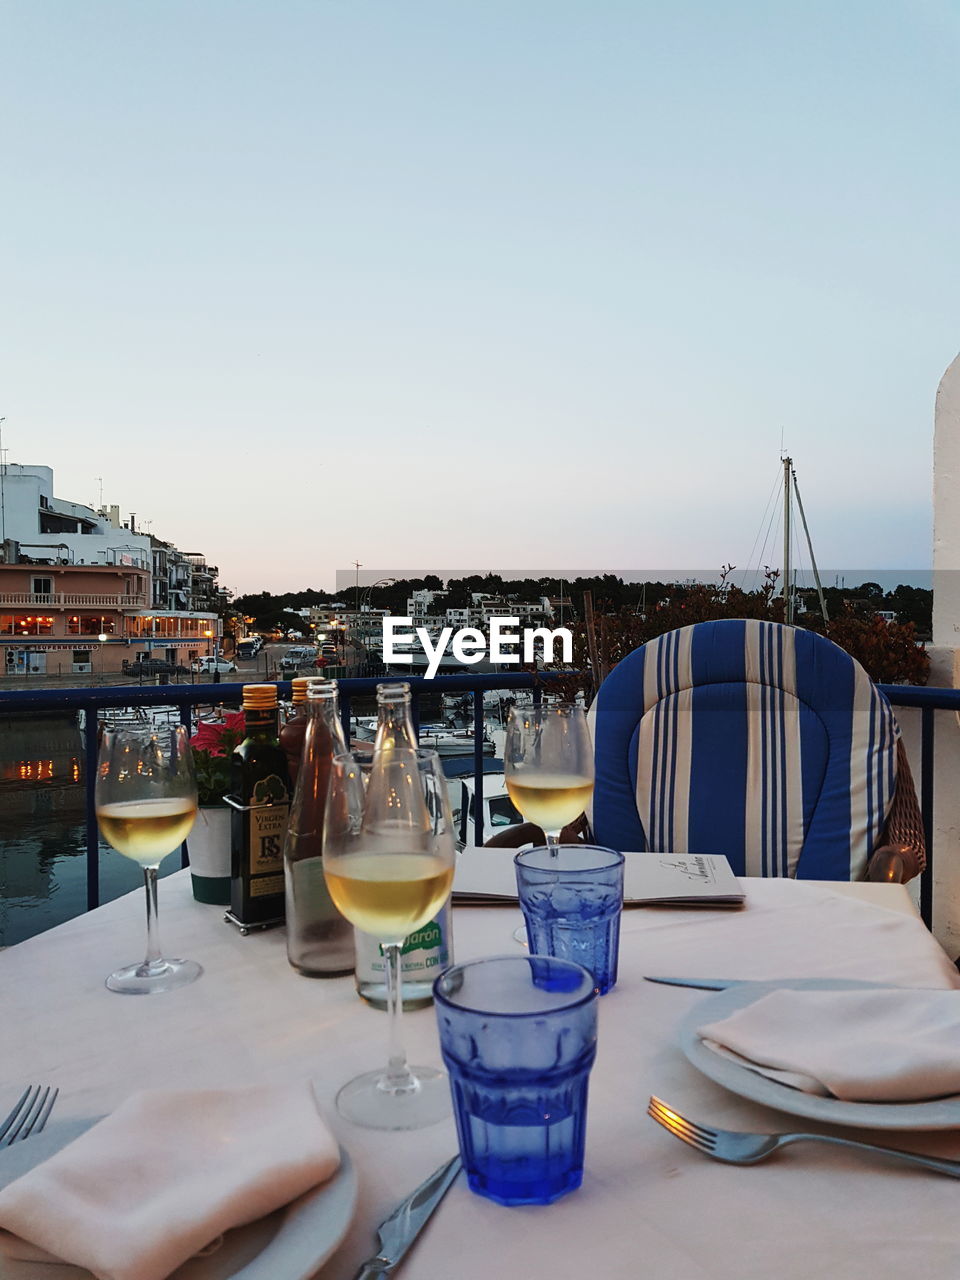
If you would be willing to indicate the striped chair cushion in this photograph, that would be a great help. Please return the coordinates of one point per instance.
(759, 741)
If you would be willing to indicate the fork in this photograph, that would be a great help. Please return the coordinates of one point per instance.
(750, 1148)
(29, 1115)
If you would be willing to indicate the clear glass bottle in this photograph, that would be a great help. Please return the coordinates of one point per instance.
(430, 949)
(319, 941)
(292, 733)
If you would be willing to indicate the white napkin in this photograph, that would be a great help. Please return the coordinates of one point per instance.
(165, 1175)
(861, 1046)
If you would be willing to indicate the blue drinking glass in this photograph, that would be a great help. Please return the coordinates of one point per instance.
(571, 896)
(518, 1036)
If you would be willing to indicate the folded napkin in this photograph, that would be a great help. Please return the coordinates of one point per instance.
(164, 1176)
(861, 1046)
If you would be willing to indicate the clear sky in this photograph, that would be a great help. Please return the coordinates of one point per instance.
(481, 282)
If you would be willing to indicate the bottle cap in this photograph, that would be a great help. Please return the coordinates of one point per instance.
(259, 697)
(300, 684)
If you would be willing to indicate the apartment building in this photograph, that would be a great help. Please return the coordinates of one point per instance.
(82, 591)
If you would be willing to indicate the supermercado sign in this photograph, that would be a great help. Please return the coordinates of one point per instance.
(506, 643)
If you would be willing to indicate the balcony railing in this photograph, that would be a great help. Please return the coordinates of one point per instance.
(188, 697)
(60, 600)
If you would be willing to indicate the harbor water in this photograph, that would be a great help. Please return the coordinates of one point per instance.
(43, 837)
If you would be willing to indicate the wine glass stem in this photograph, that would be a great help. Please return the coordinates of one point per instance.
(154, 959)
(398, 1077)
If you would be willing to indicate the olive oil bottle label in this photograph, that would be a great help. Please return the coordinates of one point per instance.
(268, 826)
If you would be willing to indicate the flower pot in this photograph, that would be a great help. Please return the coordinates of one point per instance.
(209, 851)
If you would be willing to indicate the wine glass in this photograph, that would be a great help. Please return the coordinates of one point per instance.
(146, 801)
(388, 858)
(548, 764)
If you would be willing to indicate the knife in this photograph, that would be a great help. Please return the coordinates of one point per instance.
(398, 1232)
(704, 984)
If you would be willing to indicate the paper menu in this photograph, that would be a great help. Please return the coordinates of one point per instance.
(680, 879)
(677, 879)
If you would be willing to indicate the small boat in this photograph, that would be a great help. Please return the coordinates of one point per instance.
(498, 810)
(452, 742)
(441, 738)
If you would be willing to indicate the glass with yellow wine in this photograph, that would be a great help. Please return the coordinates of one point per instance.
(388, 858)
(146, 802)
(548, 764)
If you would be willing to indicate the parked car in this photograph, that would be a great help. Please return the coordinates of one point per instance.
(297, 656)
(207, 666)
(153, 667)
(249, 647)
(329, 650)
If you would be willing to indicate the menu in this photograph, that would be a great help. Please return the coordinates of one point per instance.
(487, 876)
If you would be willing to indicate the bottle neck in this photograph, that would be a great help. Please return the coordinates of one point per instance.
(395, 724)
(260, 722)
(326, 708)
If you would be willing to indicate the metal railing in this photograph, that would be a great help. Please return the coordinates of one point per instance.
(65, 600)
(187, 697)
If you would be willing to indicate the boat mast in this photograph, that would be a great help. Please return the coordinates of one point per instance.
(813, 558)
(787, 593)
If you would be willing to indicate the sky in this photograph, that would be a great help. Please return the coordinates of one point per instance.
(481, 282)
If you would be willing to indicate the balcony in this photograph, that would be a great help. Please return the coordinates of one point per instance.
(61, 600)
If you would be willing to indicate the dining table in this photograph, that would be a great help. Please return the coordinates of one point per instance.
(648, 1206)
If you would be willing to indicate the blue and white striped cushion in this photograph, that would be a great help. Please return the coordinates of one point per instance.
(759, 741)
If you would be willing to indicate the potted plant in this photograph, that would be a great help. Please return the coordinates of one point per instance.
(209, 843)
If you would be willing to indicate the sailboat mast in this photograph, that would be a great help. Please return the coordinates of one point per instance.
(787, 592)
(813, 558)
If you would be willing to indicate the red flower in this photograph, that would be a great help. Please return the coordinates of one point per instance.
(209, 734)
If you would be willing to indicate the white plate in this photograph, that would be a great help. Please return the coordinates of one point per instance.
(937, 1113)
(290, 1243)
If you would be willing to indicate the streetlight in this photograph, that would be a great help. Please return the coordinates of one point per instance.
(102, 637)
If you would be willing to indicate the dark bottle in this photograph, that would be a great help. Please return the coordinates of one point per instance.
(319, 939)
(291, 734)
(260, 800)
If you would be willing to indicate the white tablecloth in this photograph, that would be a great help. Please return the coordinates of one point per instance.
(648, 1205)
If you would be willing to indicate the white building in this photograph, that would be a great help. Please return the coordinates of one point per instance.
(83, 591)
(58, 532)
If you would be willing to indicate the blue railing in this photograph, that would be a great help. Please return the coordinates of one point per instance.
(187, 697)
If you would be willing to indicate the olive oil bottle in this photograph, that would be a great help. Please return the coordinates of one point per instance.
(260, 800)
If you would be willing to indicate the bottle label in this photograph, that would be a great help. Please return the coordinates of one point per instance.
(422, 955)
(264, 886)
(268, 826)
(429, 938)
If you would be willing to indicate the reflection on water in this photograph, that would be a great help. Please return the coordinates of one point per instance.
(43, 873)
(43, 836)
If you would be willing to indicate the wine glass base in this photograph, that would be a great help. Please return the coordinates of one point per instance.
(144, 980)
(366, 1102)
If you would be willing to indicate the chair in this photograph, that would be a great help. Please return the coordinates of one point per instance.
(760, 741)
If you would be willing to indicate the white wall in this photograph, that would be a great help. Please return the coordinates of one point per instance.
(23, 487)
(944, 658)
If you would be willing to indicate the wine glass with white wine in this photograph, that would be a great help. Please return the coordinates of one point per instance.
(548, 763)
(388, 858)
(146, 802)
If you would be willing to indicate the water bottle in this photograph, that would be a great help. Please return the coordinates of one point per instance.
(319, 939)
(429, 950)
